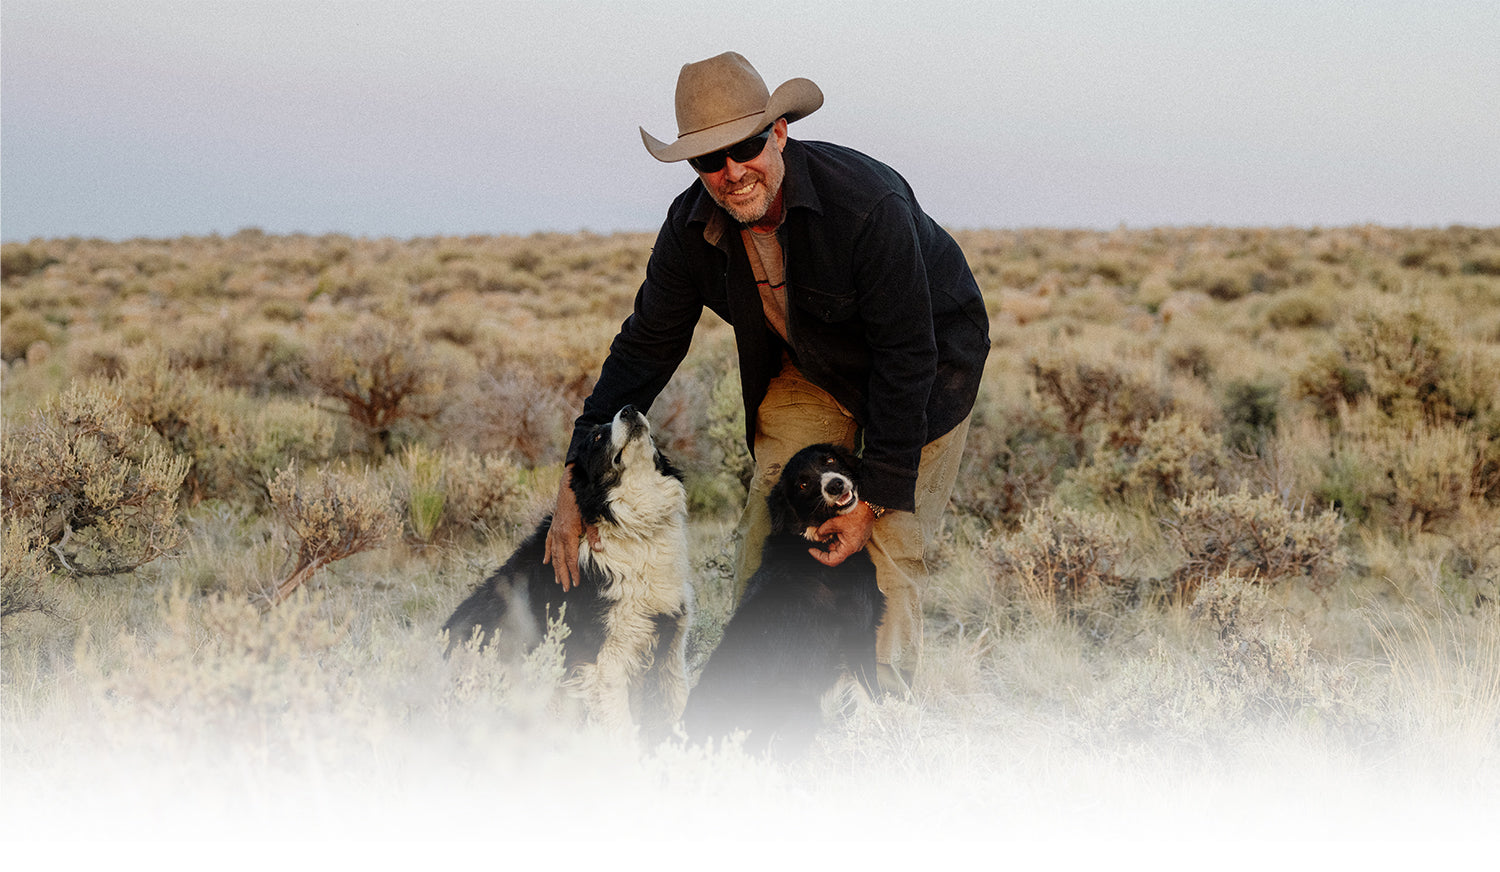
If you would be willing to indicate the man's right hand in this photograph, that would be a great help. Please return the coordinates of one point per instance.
(566, 532)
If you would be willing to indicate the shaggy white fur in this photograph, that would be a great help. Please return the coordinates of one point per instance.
(643, 554)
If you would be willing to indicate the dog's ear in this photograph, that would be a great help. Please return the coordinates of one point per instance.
(666, 467)
(783, 515)
(848, 458)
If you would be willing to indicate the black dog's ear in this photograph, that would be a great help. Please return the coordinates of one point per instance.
(848, 458)
(666, 467)
(783, 515)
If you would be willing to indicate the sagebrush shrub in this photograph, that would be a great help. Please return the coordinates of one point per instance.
(1172, 458)
(24, 573)
(1269, 666)
(1252, 535)
(220, 667)
(1407, 479)
(1405, 357)
(236, 443)
(1079, 389)
(331, 515)
(100, 490)
(514, 411)
(1408, 365)
(1250, 413)
(1086, 391)
(381, 373)
(446, 496)
(22, 259)
(20, 332)
(1296, 311)
(1060, 554)
(1329, 383)
(1010, 461)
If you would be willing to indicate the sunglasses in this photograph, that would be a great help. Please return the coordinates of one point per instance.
(741, 152)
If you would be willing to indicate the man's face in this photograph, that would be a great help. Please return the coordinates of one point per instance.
(748, 190)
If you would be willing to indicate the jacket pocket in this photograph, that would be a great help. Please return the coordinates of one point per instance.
(823, 305)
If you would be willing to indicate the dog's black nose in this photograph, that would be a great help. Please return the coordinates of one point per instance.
(627, 411)
(836, 486)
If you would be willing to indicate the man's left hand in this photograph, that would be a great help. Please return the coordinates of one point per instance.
(847, 534)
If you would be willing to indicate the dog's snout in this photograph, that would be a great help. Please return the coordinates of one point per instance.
(837, 485)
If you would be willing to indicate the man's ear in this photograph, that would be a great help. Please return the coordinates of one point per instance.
(778, 133)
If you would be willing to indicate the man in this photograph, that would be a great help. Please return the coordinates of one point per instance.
(856, 320)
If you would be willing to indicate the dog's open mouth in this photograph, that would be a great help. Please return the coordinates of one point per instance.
(839, 493)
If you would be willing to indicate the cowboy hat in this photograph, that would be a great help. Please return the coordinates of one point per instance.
(723, 100)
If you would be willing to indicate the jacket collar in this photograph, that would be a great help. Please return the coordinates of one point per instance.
(799, 194)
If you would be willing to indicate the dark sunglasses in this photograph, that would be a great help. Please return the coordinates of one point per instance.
(742, 151)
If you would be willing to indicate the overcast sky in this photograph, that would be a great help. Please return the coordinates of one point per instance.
(422, 118)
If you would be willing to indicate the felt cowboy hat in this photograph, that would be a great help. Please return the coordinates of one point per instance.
(723, 100)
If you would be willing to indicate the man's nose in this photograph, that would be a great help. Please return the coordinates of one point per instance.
(733, 171)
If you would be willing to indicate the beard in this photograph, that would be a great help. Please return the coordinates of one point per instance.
(752, 210)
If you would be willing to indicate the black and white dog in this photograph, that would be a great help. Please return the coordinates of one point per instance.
(628, 616)
(799, 625)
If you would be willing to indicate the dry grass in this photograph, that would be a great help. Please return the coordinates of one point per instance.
(1069, 689)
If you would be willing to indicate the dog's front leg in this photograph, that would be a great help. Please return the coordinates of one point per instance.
(607, 689)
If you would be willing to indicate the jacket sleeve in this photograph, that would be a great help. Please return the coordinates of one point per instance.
(896, 311)
(652, 341)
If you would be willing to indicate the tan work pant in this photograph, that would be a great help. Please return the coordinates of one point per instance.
(797, 413)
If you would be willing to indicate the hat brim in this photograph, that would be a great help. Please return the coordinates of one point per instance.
(796, 98)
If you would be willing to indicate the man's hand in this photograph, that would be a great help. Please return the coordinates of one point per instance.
(566, 532)
(848, 532)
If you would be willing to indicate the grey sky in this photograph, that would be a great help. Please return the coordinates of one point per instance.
(420, 118)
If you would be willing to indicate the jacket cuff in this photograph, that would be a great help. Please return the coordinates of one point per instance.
(888, 486)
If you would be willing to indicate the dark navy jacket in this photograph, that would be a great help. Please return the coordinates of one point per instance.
(882, 311)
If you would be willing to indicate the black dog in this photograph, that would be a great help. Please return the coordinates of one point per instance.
(628, 617)
(799, 624)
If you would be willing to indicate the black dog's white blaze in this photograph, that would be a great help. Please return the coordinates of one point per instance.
(799, 625)
(827, 478)
(628, 617)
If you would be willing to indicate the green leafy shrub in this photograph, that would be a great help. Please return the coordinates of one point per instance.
(1250, 413)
